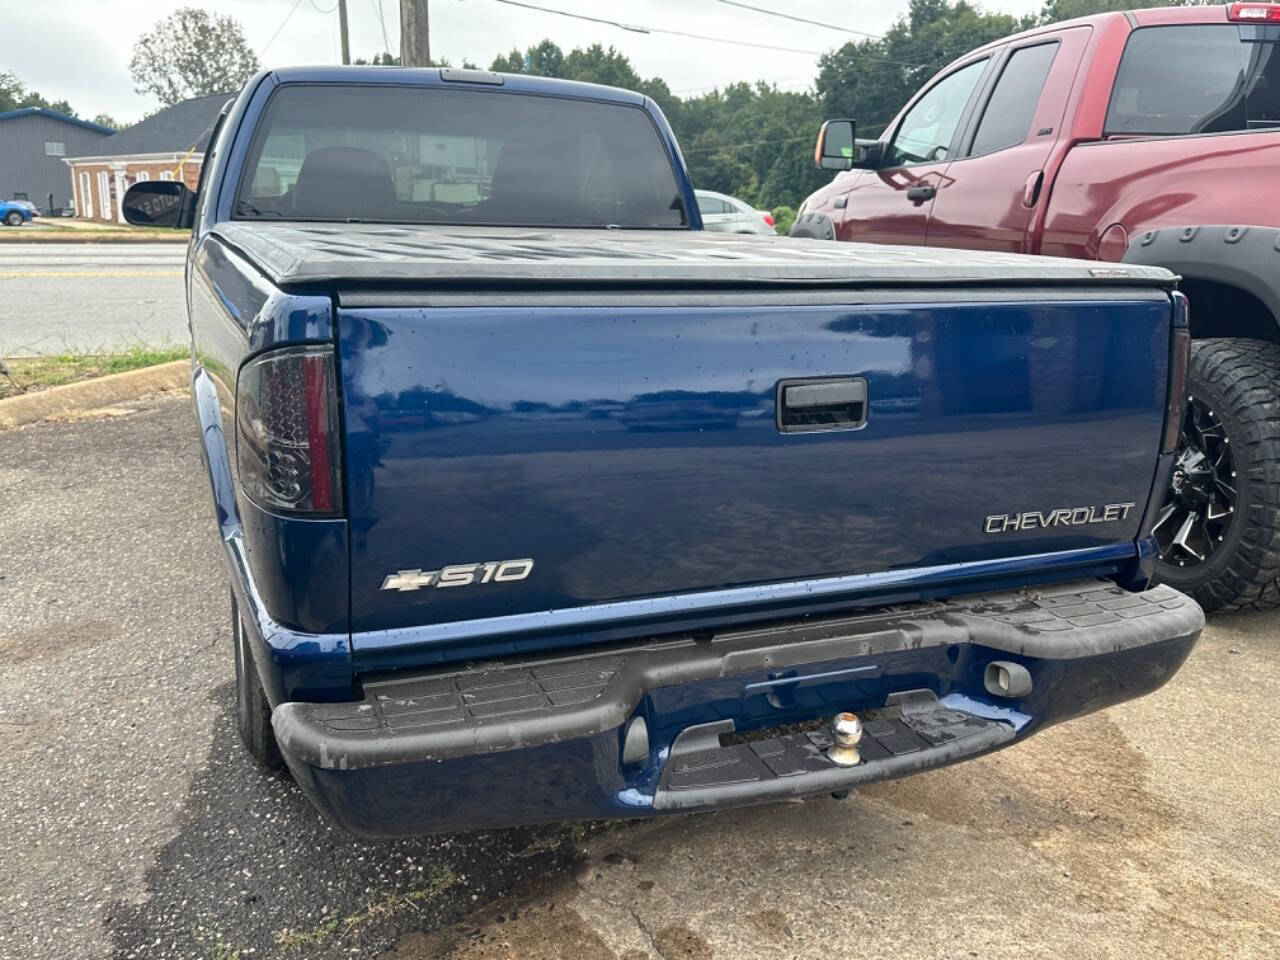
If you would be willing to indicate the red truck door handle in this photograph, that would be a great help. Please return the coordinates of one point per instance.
(1031, 190)
(921, 194)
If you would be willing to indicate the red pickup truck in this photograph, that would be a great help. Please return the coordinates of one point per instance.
(1150, 137)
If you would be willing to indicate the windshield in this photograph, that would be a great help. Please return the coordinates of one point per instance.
(431, 155)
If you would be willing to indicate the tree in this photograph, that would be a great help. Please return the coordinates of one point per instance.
(192, 54)
(14, 96)
(106, 120)
(1056, 10)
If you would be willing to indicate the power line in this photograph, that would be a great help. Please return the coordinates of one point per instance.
(636, 28)
(382, 22)
(287, 17)
(816, 23)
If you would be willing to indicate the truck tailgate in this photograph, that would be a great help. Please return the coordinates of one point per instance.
(631, 445)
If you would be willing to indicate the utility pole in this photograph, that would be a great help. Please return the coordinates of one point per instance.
(415, 46)
(342, 28)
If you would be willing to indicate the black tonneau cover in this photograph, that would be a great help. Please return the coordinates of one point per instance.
(410, 254)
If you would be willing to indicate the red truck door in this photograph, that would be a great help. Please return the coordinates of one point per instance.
(988, 195)
(892, 204)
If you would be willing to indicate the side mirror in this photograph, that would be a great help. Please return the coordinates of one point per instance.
(839, 149)
(159, 203)
(834, 150)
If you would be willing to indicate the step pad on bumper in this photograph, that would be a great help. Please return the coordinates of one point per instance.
(457, 712)
(919, 733)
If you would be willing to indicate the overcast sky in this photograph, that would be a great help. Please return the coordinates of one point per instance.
(80, 49)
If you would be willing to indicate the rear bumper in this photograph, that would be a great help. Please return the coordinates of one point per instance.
(559, 737)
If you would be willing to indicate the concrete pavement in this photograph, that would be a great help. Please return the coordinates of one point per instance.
(136, 826)
(57, 297)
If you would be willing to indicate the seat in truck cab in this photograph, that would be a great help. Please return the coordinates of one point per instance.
(346, 182)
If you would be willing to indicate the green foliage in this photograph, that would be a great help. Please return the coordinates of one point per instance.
(748, 141)
(14, 96)
(783, 218)
(192, 53)
(1057, 10)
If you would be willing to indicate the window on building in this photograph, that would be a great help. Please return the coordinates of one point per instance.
(166, 174)
(104, 195)
(55, 148)
(86, 200)
(143, 175)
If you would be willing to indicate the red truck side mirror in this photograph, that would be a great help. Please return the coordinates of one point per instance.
(834, 150)
(839, 149)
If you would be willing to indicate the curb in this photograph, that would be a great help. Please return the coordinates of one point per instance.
(87, 237)
(73, 399)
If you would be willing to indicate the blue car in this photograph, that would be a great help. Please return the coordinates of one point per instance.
(541, 502)
(14, 213)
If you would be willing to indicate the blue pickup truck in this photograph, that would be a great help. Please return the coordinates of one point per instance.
(541, 503)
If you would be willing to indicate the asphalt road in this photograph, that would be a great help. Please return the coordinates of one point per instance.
(135, 826)
(94, 297)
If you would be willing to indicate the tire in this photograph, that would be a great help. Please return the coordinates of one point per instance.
(253, 711)
(13, 218)
(1234, 394)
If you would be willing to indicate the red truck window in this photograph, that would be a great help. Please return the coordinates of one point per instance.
(1006, 122)
(927, 130)
(1178, 80)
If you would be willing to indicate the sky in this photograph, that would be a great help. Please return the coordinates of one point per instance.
(80, 49)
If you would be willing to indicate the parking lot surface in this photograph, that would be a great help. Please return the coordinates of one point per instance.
(135, 826)
(92, 297)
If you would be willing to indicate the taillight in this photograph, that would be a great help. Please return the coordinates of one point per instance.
(287, 431)
(1254, 12)
(768, 219)
(1179, 357)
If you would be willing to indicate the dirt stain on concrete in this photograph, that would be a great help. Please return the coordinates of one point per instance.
(48, 642)
(530, 931)
(1080, 782)
(681, 943)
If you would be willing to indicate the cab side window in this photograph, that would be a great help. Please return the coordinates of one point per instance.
(1006, 122)
(927, 130)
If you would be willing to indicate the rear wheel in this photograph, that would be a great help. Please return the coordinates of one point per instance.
(1219, 528)
(253, 711)
(13, 218)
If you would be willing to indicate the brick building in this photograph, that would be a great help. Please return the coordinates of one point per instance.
(168, 145)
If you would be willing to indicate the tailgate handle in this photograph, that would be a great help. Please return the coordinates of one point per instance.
(828, 403)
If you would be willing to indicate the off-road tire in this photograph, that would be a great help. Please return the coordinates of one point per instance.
(1239, 380)
(253, 711)
(13, 218)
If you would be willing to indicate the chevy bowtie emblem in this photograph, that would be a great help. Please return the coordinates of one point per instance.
(459, 575)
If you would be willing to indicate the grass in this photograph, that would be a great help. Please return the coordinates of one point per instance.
(52, 230)
(440, 881)
(39, 373)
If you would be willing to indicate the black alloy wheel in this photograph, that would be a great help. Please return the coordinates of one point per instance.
(1201, 501)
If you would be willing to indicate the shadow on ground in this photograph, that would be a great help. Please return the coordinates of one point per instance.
(255, 871)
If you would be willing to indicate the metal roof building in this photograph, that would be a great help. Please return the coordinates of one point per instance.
(33, 143)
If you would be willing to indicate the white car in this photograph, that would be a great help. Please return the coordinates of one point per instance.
(725, 214)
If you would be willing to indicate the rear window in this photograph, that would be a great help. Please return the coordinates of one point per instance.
(414, 155)
(1196, 79)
